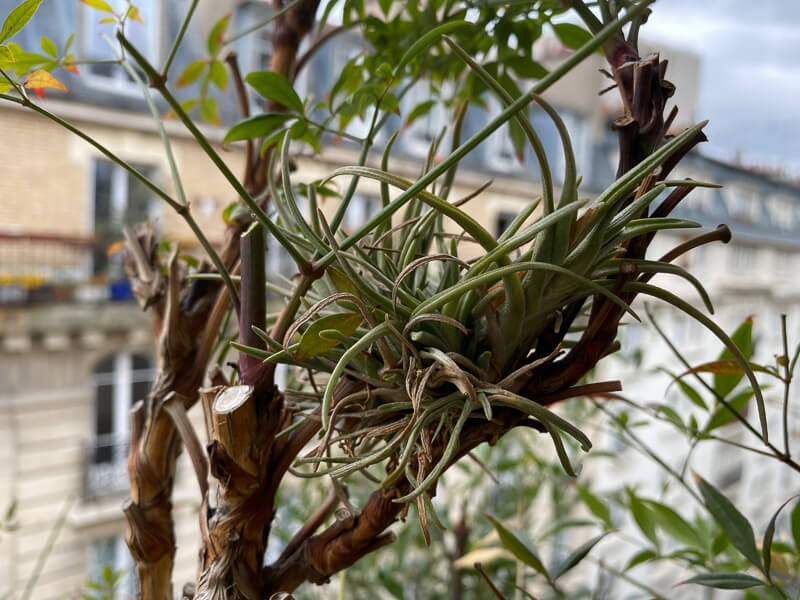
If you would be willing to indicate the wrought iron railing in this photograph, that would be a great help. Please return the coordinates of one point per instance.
(105, 467)
(45, 267)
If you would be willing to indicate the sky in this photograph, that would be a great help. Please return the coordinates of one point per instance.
(749, 84)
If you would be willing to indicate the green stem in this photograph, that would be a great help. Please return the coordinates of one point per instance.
(647, 450)
(787, 379)
(184, 210)
(257, 211)
(178, 39)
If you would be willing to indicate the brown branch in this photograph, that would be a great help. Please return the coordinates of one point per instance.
(244, 106)
(329, 32)
(314, 522)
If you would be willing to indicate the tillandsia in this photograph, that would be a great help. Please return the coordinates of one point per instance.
(413, 337)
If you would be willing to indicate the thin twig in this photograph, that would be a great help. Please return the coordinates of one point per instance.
(178, 39)
(787, 380)
(488, 581)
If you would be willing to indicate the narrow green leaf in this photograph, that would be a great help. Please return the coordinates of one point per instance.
(191, 73)
(18, 17)
(743, 338)
(49, 47)
(256, 127)
(596, 506)
(577, 555)
(674, 525)
(796, 526)
(276, 87)
(639, 558)
(525, 67)
(722, 416)
(426, 41)
(766, 547)
(217, 34)
(692, 394)
(218, 75)
(519, 545)
(725, 581)
(643, 517)
(313, 344)
(418, 111)
(732, 522)
(571, 35)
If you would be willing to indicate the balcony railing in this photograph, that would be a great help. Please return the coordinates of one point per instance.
(44, 267)
(105, 467)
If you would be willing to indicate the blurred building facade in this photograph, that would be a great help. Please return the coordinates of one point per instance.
(75, 351)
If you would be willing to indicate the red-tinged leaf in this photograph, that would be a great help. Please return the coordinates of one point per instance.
(723, 367)
(191, 73)
(133, 14)
(217, 35)
(115, 247)
(43, 79)
(69, 65)
(17, 19)
(39, 92)
(99, 5)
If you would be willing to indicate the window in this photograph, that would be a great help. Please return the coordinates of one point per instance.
(743, 203)
(119, 381)
(146, 37)
(119, 199)
(502, 221)
(113, 552)
(742, 258)
(782, 212)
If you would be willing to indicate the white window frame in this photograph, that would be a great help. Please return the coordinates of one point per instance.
(120, 194)
(121, 379)
(123, 561)
(152, 12)
(743, 203)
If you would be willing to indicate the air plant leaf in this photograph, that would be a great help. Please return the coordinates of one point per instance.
(313, 344)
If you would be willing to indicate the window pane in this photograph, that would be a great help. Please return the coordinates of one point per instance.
(140, 199)
(140, 361)
(139, 390)
(104, 423)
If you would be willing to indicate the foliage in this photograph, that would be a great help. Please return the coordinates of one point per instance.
(421, 354)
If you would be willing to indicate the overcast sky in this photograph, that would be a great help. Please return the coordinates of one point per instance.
(749, 73)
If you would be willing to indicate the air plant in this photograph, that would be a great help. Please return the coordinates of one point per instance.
(438, 343)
